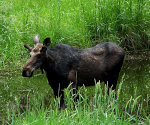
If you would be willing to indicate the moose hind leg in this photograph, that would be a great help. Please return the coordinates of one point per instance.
(75, 91)
(74, 86)
(111, 83)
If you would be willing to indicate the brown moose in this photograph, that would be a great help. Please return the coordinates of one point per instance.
(64, 64)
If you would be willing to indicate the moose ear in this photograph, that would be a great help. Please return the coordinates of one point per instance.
(47, 41)
(36, 39)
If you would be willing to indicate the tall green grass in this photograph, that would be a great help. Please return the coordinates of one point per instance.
(100, 109)
(80, 23)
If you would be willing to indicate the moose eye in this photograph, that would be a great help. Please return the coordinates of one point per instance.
(35, 50)
(39, 56)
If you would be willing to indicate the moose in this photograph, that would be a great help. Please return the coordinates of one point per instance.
(64, 64)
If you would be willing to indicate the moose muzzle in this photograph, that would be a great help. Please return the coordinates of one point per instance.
(27, 72)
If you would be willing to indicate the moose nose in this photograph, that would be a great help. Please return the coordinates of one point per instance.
(26, 73)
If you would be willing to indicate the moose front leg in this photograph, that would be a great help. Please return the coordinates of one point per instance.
(59, 93)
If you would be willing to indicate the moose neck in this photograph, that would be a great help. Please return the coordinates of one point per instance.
(48, 64)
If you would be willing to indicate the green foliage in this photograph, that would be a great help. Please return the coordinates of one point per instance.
(101, 109)
(80, 23)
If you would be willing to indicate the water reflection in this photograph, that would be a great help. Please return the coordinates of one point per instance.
(137, 77)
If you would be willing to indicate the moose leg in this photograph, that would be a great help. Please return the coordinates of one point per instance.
(112, 82)
(59, 93)
(75, 90)
(73, 77)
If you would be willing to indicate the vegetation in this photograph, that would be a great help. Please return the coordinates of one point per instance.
(23, 98)
(80, 23)
(100, 109)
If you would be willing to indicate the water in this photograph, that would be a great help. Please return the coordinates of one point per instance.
(14, 88)
(137, 79)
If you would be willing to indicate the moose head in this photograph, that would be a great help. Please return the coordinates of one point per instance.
(38, 55)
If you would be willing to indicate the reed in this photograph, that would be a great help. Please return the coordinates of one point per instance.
(80, 23)
(101, 109)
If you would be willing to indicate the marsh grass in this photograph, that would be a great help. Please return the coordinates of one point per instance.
(80, 23)
(100, 109)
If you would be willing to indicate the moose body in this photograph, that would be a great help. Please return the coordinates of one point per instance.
(64, 64)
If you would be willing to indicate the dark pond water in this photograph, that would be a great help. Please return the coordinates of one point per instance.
(14, 88)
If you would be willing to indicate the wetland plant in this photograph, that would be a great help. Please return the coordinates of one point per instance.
(101, 108)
